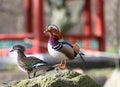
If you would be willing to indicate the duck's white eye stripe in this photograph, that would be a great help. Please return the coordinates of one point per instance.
(52, 26)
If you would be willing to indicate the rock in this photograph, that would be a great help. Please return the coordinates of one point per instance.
(61, 78)
(114, 80)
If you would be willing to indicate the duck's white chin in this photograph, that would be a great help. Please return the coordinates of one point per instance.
(22, 69)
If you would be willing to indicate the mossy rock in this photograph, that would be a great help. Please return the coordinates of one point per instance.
(61, 78)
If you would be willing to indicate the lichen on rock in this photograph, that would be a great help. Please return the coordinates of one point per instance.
(61, 78)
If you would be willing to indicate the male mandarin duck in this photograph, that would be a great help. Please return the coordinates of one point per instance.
(30, 64)
(62, 50)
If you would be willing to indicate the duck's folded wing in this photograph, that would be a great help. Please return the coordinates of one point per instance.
(66, 49)
(37, 60)
(33, 61)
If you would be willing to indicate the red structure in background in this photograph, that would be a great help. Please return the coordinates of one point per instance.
(99, 31)
(35, 26)
(87, 26)
(99, 24)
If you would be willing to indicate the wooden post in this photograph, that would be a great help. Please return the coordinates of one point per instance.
(38, 26)
(99, 24)
(28, 15)
(87, 26)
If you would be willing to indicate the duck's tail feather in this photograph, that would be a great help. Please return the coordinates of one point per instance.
(81, 56)
(50, 68)
(76, 47)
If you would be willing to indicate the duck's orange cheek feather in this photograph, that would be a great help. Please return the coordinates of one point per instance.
(58, 36)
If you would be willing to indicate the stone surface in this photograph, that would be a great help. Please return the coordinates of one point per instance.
(61, 78)
(114, 80)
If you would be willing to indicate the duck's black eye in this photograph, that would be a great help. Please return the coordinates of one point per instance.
(53, 29)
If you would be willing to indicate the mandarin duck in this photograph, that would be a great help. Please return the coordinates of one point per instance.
(30, 64)
(62, 50)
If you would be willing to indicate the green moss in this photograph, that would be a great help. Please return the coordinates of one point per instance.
(85, 81)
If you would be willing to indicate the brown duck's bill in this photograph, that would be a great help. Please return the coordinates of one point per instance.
(11, 50)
